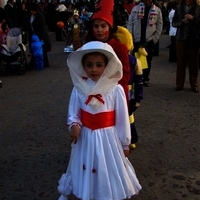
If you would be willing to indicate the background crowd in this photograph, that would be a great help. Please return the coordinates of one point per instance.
(14, 14)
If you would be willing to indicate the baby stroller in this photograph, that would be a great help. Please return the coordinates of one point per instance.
(13, 57)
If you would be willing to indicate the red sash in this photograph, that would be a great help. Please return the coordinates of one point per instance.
(99, 120)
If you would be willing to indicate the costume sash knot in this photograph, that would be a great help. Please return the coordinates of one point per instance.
(97, 96)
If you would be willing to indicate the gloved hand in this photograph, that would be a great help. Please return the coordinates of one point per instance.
(142, 51)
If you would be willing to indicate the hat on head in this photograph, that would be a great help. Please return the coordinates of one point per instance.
(76, 12)
(33, 7)
(94, 46)
(112, 73)
(61, 8)
(124, 36)
(104, 10)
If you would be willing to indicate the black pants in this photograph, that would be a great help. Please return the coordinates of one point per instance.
(156, 49)
(186, 55)
(46, 61)
(172, 49)
(59, 34)
(134, 135)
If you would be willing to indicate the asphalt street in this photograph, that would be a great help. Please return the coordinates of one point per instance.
(34, 140)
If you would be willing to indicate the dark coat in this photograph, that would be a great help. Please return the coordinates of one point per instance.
(39, 28)
(184, 31)
(2, 14)
(11, 15)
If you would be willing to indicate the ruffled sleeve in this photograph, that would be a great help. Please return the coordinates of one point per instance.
(74, 109)
(122, 119)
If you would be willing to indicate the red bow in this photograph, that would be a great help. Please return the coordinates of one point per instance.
(97, 96)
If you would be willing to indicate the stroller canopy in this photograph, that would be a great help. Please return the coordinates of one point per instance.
(13, 39)
(14, 32)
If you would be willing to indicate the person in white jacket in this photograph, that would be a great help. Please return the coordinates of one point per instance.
(145, 24)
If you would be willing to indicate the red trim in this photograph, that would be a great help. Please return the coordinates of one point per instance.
(99, 120)
(97, 96)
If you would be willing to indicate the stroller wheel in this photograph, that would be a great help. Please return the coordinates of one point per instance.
(3, 71)
(22, 69)
(3, 67)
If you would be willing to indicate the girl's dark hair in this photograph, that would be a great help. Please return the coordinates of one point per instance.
(32, 6)
(153, 1)
(195, 2)
(174, 4)
(94, 53)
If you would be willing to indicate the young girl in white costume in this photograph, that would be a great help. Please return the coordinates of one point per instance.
(99, 127)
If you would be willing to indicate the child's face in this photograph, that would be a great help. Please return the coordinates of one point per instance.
(76, 17)
(33, 12)
(188, 2)
(94, 66)
(23, 6)
(100, 30)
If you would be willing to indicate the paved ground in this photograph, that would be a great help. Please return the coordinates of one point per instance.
(34, 145)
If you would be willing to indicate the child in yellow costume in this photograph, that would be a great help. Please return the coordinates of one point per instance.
(135, 82)
(141, 55)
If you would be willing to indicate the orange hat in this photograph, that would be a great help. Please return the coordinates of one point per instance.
(104, 11)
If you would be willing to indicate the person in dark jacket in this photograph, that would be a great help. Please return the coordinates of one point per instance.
(35, 24)
(187, 21)
(2, 15)
(11, 12)
(23, 12)
(51, 15)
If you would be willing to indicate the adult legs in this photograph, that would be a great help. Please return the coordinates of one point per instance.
(199, 60)
(181, 49)
(193, 57)
(172, 49)
(46, 61)
(146, 72)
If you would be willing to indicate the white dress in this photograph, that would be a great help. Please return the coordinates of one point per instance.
(98, 169)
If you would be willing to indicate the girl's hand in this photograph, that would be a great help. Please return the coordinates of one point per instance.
(126, 153)
(75, 132)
